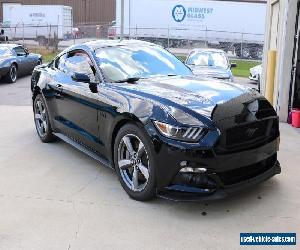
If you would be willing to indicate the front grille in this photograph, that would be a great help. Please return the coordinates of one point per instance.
(256, 131)
(248, 125)
(247, 136)
(244, 173)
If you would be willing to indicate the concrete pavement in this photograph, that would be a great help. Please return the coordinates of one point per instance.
(54, 197)
(16, 94)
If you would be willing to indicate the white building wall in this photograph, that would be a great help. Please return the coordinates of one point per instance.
(284, 48)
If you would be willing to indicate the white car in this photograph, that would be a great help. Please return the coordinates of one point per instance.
(255, 73)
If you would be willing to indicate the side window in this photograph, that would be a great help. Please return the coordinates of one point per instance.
(80, 63)
(20, 51)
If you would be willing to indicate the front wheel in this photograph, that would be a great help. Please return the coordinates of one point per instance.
(41, 119)
(134, 163)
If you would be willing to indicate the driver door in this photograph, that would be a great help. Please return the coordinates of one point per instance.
(24, 61)
(76, 105)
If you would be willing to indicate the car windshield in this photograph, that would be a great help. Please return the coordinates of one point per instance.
(4, 52)
(208, 59)
(129, 62)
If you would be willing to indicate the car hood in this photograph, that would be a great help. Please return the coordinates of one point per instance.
(211, 72)
(3, 58)
(198, 95)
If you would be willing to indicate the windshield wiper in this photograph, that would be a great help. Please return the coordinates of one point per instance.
(129, 80)
(153, 76)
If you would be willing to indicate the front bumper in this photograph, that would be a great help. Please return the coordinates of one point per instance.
(182, 193)
(227, 172)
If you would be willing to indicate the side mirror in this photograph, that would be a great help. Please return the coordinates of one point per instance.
(233, 65)
(93, 87)
(80, 77)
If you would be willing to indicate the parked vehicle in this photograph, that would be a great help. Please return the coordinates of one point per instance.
(255, 73)
(15, 60)
(111, 31)
(139, 110)
(43, 23)
(229, 25)
(210, 63)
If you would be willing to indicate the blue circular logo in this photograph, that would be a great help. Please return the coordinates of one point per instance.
(179, 13)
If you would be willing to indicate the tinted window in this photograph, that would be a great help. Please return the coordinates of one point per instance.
(208, 59)
(79, 63)
(119, 63)
(5, 52)
(20, 51)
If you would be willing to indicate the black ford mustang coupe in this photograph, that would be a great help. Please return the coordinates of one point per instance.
(137, 109)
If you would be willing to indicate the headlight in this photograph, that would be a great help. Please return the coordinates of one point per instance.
(188, 134)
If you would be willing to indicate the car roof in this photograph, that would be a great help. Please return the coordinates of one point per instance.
(113, 43)
(97, 44)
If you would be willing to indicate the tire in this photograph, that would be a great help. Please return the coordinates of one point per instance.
(41, 120)
(137, 170)
(39, 62)
(12, 75)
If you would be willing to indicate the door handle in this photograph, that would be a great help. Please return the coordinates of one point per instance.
(59, 91)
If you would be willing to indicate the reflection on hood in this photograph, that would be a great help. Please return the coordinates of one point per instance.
(199, 95)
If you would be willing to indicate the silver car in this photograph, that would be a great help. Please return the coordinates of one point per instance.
(211, 63)
(255, 73)
(15, 60)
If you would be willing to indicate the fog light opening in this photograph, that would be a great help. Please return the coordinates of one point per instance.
(193, 170)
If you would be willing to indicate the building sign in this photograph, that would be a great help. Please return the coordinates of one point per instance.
(37, 16)
(180, 13)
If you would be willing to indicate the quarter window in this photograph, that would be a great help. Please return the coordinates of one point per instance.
(60, 63)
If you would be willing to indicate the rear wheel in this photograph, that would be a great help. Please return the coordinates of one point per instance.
(134, 163)
(41, 119)
(12, 74)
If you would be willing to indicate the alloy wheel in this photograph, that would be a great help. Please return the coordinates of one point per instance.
(40, 117)
(133, 162)
(13, 73)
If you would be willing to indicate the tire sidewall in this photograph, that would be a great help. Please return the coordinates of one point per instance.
(9, 79)
(48, 136)
(150, 190)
